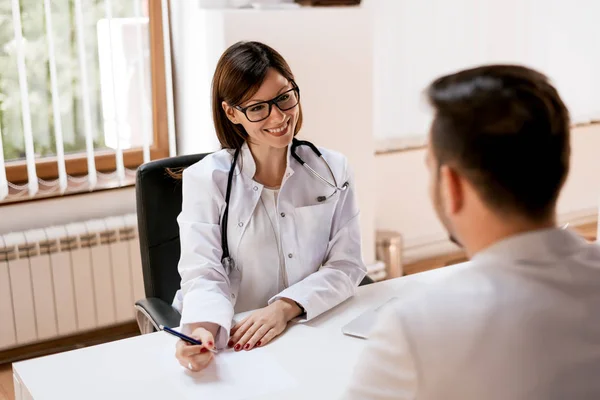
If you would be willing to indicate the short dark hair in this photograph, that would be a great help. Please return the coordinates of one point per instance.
(506, 129)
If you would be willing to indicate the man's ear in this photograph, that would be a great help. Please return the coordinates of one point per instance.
(230, 112)
(451, 190)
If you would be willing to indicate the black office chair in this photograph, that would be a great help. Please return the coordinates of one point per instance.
(158, 197)
(158, 205)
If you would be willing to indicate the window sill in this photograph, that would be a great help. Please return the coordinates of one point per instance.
(399, 145)
(79, 186)
(419, 142)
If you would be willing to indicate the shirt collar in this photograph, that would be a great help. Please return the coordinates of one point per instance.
(248, 165)
(538, 246)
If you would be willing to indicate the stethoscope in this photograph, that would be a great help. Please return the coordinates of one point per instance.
(226, 260)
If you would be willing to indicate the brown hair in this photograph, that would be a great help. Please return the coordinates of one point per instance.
(506, 129)
(240, 72)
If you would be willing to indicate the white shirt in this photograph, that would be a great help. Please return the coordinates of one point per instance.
(262, 277)
(320, 242)
(520, 321)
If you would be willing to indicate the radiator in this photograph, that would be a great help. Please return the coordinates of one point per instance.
(63, 280)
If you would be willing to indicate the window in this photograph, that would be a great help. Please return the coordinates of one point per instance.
(83, 94)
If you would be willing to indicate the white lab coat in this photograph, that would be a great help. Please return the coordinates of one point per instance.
(520, 321)
(321, 241)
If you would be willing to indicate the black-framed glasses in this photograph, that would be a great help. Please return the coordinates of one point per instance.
(260, 111)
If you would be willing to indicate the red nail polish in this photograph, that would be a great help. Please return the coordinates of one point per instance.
(230, 344)
(258, 344)
(247, 346)
(237, 347)
(203, 350)
(211, 344)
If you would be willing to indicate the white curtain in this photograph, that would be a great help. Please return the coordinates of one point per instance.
(95, 97)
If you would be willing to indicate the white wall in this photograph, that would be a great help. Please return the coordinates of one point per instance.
(62, 210)
(403, 203)
(329, 50)
(417, 41)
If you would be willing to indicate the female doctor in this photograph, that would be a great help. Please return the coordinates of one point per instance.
(269, 223)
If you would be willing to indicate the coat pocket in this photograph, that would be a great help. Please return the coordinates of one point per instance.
(313, 227)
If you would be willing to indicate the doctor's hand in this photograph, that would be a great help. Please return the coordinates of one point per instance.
(193, 357)
(263, 325)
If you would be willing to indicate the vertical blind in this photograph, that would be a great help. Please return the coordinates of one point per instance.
(417, 41)
(84, 86)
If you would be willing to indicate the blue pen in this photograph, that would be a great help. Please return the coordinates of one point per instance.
(183, 337)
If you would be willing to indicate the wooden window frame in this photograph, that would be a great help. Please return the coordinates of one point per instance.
(76, 164)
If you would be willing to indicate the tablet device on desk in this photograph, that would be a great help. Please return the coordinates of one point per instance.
(361, 326)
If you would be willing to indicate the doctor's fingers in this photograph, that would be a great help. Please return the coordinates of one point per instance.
(239, 325)
(191, 351)
(200, 361)
(204, 336)
(184, 349)
(242, 343)
(191, 356)
(241, 331)
(272, 334)
(257, 337)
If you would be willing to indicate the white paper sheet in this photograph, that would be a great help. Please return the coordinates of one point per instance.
(230, 376)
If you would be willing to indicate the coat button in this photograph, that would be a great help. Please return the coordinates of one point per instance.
(255, 188)
(240, 224)
(290, 255)
(282, 215)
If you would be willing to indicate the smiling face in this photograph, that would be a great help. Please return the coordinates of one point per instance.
(277, 130)
(249, 73)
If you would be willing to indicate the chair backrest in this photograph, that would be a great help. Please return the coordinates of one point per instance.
(158, 197)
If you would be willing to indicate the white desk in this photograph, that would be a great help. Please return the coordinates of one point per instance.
(316, 354)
